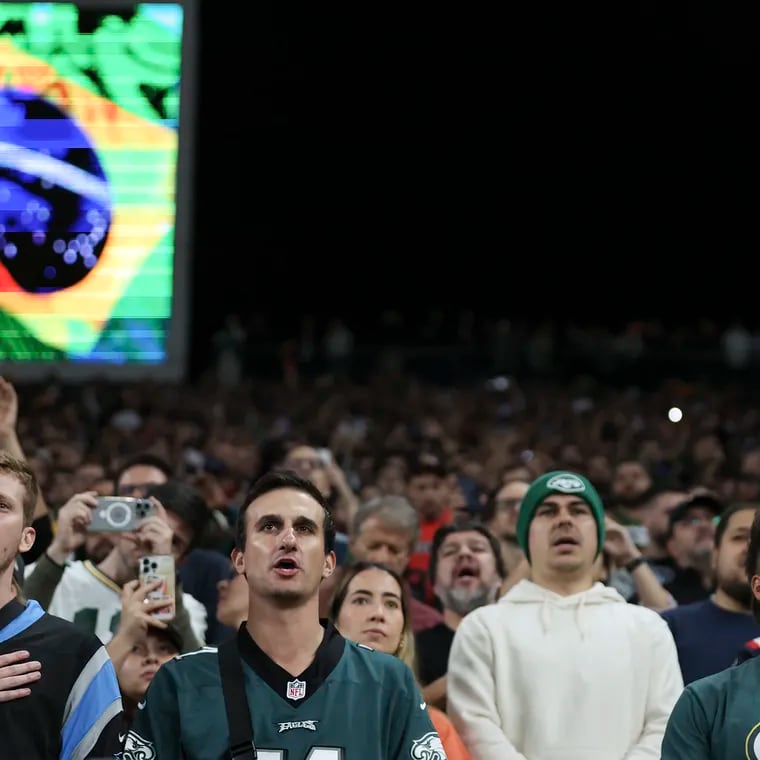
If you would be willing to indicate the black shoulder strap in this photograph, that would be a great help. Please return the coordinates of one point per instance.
(236, 702)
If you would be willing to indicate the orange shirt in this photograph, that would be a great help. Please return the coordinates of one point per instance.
(419, 562)
(420, 559)
(452, 742)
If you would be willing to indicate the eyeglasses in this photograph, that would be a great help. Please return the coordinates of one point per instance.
(135, 489)
(507, 505)
(304, 464)
(694, 521)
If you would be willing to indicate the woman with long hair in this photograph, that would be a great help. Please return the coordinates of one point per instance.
(370, 607)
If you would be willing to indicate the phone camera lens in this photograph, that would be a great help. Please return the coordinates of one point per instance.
(118, 514)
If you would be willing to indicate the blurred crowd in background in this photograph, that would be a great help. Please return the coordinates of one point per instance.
(451, 426)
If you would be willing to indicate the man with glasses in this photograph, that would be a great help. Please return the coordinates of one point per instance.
(690, 540)
(500, 517)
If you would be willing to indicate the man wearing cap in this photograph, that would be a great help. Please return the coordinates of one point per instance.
(708, 633)
(691, 533)
(561, 666)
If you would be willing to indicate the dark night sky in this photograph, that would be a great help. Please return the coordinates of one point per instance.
(355, 155)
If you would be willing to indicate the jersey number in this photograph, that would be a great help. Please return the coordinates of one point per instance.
(315, 753)
(87, 620)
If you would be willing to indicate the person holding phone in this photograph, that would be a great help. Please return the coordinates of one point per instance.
(88, 593)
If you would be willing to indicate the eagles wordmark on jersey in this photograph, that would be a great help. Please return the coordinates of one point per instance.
(351, 703)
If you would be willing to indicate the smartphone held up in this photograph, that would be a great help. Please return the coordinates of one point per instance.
(119, 514)
(160, 568)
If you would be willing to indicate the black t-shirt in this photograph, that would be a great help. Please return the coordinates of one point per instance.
(433, 646)
(686, 586)
(76, 702)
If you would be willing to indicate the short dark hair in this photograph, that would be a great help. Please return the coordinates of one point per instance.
(727, 514)
(464, 527)
(277, 480)
(145, 459)
(753, 560)
(185, 501)
(425, 464)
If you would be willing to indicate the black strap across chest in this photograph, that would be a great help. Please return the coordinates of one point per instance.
(236, 702)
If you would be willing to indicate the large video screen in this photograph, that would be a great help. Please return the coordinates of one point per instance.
(95, 167)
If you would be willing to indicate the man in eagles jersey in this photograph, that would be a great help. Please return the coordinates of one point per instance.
(312, 694)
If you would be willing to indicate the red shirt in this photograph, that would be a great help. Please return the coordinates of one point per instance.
(419, 562)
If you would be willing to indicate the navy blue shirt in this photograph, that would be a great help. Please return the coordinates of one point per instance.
(200, 573)
(708, 637)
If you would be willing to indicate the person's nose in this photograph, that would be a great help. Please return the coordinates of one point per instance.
(222, 585)
(288, 537)
(378, 613)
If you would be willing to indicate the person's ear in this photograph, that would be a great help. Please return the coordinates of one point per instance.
(238, 561)
(329, 567)
(756, 587)
(27, 539)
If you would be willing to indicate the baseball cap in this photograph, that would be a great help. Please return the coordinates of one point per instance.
(703, 500)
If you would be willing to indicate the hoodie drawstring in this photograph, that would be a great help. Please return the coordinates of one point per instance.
(545, 615)
(579, 617)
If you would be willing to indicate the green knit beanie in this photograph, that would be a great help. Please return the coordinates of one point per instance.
(558, 481)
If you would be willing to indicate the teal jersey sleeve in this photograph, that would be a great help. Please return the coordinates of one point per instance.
(418, 738)
(687, 734)
(155, 729)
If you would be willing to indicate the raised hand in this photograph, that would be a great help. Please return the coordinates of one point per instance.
(71, 528)
(8, 407)
(153, 534)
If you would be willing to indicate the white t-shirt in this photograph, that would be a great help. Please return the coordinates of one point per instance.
(91, 600)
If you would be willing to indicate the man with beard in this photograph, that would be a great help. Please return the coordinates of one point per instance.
(466, 570)
(630, 489)
(708, 633)
(716, 717)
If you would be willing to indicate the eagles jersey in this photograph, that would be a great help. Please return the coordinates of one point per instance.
(351, 703)
(74, 710)
(717, 717)
(92, 601)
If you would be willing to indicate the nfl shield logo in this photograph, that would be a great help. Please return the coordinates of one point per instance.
(296, 689)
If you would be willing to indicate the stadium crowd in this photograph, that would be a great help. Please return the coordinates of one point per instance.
(569, 568)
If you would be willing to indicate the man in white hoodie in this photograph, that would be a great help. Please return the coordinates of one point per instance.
(562, 667)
